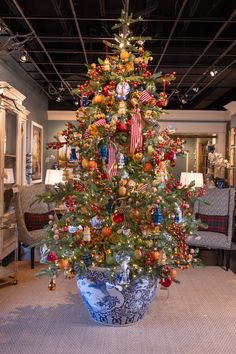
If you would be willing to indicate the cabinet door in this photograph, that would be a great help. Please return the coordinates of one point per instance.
(10, 159)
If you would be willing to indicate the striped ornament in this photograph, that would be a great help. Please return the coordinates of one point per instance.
(136, 139)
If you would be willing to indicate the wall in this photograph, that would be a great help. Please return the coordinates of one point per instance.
(190, 145)
(36, 101)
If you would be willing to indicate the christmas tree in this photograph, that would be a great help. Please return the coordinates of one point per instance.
(124, 210)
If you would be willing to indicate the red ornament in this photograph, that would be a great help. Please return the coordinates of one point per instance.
(118, 217)
(51, 257)
(121, 127)
(105, 90)
(166, 282)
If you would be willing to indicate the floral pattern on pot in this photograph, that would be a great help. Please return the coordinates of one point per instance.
(109, 303)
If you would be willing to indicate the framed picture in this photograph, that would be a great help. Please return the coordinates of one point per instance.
(37, 152)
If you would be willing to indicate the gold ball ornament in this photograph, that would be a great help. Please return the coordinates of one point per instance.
(122, 191)
(93, 66)
(124, 55)
(138, 254)
(84, 163)
(98, 99)
(138, 157)
(106, 65)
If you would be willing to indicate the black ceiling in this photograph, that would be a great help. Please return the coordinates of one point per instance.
(191, 37)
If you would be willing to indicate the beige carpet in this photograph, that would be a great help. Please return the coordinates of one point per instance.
(199, 316)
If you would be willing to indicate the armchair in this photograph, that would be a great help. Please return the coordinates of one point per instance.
(221, 202)
(24, 199)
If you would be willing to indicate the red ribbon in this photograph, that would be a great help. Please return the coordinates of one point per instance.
(136, 139)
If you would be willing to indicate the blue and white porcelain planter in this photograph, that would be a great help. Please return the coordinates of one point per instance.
(112, 304)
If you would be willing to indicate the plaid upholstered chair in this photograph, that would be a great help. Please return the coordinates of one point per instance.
(31, 218)
(218, 214)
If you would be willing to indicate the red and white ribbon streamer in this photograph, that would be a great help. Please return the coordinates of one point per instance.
(111, 168)
(142, 188)
(136, 139)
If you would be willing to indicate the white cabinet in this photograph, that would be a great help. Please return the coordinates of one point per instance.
(13, 116)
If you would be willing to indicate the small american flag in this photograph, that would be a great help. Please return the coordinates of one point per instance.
(142, 188)
(145, 97)
(136, 139)
(111, 168)
(98, 123)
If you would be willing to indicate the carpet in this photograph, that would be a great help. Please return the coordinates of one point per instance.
(197, 316)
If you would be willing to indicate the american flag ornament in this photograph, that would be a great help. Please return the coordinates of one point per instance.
(136, 139)
(145, 96)
(98, 123)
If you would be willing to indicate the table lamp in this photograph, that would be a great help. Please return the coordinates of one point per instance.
(54, 176)
(187, 177)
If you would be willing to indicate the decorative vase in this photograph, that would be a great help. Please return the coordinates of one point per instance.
(73, 157)
(112, 304)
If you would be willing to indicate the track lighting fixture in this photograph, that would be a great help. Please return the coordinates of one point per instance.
(58, 99)
(196, 89)
(23, 58)
(184, 99)
(213, 72)
(76, 102)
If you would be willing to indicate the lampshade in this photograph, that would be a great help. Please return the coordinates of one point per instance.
(187, 177)
(54, 177)
(9, 176)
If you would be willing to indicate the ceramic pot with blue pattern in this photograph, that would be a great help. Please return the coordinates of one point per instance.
(110, 303)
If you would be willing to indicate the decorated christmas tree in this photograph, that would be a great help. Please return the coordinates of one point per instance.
(124, 212)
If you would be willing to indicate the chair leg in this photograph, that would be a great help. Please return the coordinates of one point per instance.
(32, 257)
(228, 254)
(19, 251)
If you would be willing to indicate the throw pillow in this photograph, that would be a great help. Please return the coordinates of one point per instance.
(216, 223)
(37, 221)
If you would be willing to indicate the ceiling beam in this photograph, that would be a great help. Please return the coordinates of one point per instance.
(41, 44)
(221, 29)
(160, 19)
(78, 30)
(171, 34)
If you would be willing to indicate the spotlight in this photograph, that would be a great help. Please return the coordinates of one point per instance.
(23, 58)
(58, 99)
(184, 99)
(76, 102)
(196, 89)
(213, 72)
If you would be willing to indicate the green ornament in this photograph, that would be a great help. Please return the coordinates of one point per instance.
(151, 87)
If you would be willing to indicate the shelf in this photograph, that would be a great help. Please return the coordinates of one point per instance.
(9, 155)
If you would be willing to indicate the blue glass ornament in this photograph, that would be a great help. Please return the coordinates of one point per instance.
(84, 101)
(123, 88)
(103, 152)
(73, 157)
(157, 216)
(109, 206)
(96, 222)
(87, 259)
(72, 229)
(178, 215)
(107, 118)
(125, 174)
(120, 160)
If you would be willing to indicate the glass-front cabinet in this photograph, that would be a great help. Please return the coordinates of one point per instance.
(13, 116)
